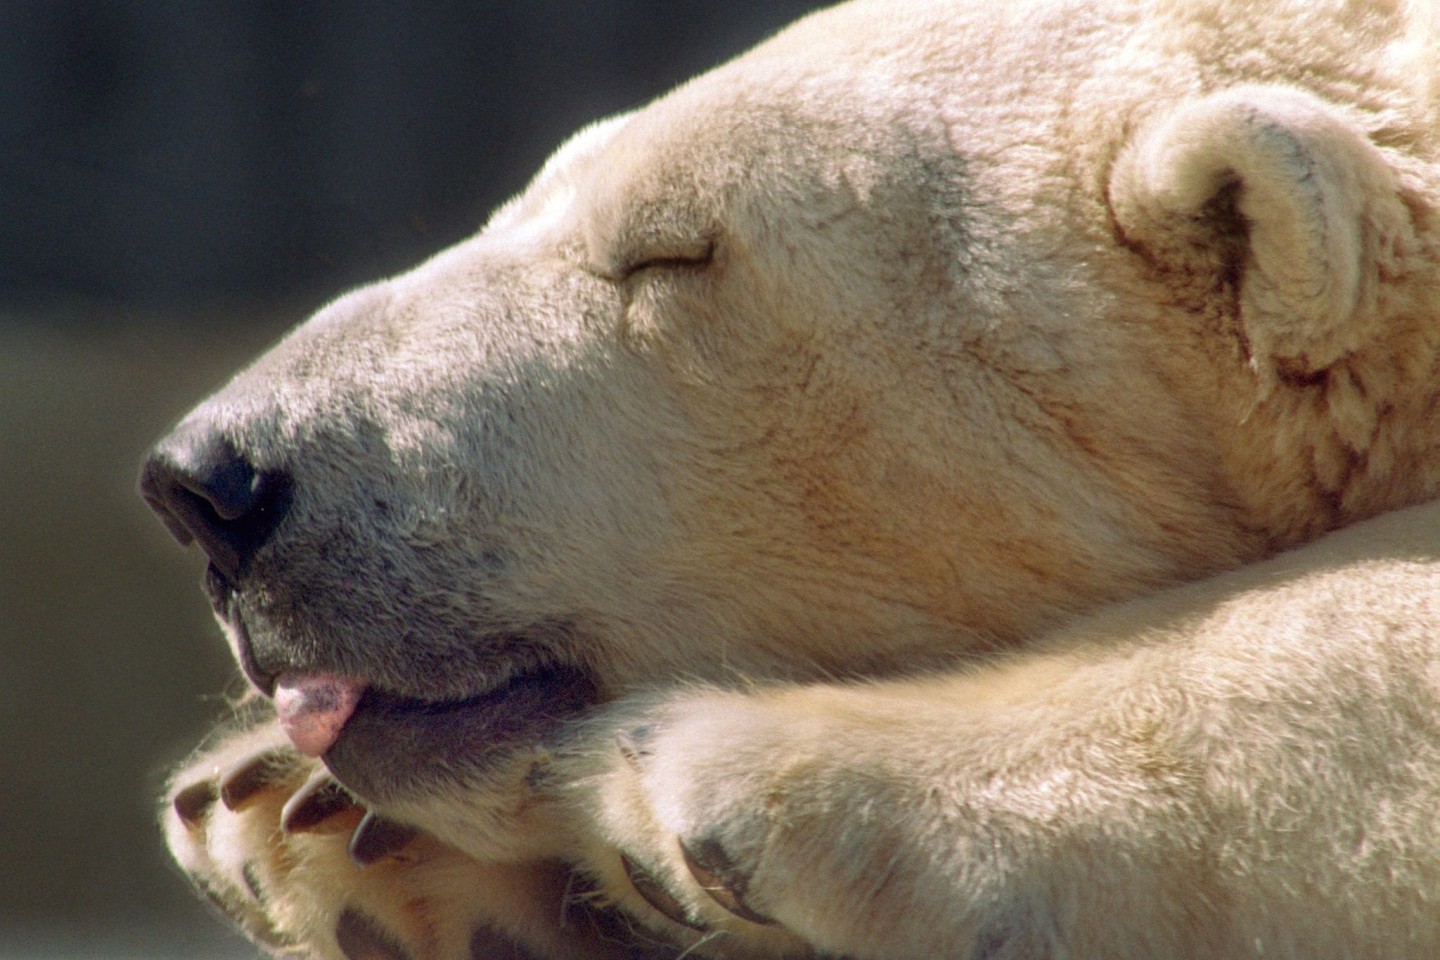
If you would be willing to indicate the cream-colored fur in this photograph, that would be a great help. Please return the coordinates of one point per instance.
(886, 351)
(1243, 767)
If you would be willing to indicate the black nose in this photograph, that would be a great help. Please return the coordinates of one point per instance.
(205, 491)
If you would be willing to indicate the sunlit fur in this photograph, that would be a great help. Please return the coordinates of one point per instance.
(914, 334)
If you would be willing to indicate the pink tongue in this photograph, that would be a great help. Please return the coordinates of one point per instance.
(313, 708)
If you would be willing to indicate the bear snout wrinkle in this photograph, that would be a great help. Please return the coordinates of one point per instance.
(208, 493)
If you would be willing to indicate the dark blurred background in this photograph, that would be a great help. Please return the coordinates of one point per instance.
(178, 184)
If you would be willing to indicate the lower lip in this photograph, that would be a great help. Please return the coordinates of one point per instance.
(391, 745)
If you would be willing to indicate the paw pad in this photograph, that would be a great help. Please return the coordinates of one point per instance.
(486, 944)
(361, 938)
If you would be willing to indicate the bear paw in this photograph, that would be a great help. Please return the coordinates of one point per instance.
(302, 867)
(696, 821)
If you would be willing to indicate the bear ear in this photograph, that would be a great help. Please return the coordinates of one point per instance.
(1273, 190)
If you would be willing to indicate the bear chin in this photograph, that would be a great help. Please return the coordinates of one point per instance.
(395, 747)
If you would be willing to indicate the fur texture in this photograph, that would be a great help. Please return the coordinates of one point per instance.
(798, 413)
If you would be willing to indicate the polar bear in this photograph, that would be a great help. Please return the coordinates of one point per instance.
(713, 555)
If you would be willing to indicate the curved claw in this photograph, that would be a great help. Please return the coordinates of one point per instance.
(317, 804)
(653, 892)
(634, 744)
(243, 782)
(377, 837)
(192, 803)
(718, 876)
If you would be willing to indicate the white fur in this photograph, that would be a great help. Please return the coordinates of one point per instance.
(890, 349)
(1244, 767)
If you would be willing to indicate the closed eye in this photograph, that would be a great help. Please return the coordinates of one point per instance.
(686, 261)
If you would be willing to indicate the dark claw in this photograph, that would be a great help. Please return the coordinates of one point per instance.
(718, 876)
(634, 744)
(361, 938)
(655, 894)
(240, 784)
(192, 803)
(315, 804)
(377, 837)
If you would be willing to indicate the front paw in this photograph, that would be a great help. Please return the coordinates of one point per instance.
(305, 871)
(700, 811)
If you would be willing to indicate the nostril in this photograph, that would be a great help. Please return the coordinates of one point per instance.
(204, 491)
(226, 485)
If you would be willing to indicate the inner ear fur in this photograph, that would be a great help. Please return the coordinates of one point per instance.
(1281, 194)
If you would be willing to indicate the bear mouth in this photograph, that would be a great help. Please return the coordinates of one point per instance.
(385, 744)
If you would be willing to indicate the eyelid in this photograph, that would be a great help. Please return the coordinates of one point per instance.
(697, 261)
